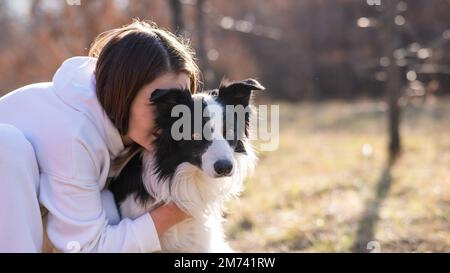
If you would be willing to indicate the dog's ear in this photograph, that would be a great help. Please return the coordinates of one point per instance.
(239, 92)
(170, 97)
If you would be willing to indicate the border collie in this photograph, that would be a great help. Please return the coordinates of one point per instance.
(199, 171)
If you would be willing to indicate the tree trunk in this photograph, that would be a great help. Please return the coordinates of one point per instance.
(201, 34)
(393, 85)
(177, 19)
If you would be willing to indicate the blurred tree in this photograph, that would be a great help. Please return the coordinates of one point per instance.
(177, 14)
(301, 50)
(394, 85)
(201, 39)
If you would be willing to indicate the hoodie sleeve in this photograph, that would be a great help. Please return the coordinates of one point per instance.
(77, 220)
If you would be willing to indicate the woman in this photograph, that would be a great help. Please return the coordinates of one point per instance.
(58, 141)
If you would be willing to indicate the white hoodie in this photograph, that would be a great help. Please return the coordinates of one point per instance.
(74, 142)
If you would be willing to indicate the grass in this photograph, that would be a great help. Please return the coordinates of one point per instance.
(319, 193)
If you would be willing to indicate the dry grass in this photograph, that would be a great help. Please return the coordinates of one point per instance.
(318, 193)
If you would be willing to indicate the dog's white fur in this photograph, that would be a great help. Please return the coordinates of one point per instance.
(201, 196)
(195, 191)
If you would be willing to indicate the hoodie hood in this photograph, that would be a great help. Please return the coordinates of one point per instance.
(74, 83)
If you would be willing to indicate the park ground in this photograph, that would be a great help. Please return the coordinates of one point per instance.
(328, 187)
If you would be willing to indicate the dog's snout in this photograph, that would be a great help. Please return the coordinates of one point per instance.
(223, 167)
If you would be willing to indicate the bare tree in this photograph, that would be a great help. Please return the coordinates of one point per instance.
(177, 19)
(201, 34)
(393, 87)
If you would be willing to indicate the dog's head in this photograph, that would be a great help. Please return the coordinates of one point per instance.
(206, 130)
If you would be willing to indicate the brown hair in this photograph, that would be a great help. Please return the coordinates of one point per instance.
(133, 56)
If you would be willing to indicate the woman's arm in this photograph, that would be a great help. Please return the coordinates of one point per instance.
(77, 218)
(167, 216)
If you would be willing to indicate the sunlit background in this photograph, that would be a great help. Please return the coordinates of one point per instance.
(363, 87)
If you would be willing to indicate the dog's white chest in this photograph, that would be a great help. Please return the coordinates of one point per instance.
(195, 236)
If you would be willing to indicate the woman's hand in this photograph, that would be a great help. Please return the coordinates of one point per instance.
(167, 216)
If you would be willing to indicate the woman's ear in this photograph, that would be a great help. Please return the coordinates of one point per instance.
(239, 92)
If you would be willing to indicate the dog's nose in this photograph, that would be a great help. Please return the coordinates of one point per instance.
(223, 167)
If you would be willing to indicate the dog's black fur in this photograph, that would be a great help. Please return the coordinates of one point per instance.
(170, 153)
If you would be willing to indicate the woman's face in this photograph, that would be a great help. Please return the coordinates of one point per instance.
(142, 112)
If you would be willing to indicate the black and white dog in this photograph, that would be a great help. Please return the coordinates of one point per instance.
(199, 171)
